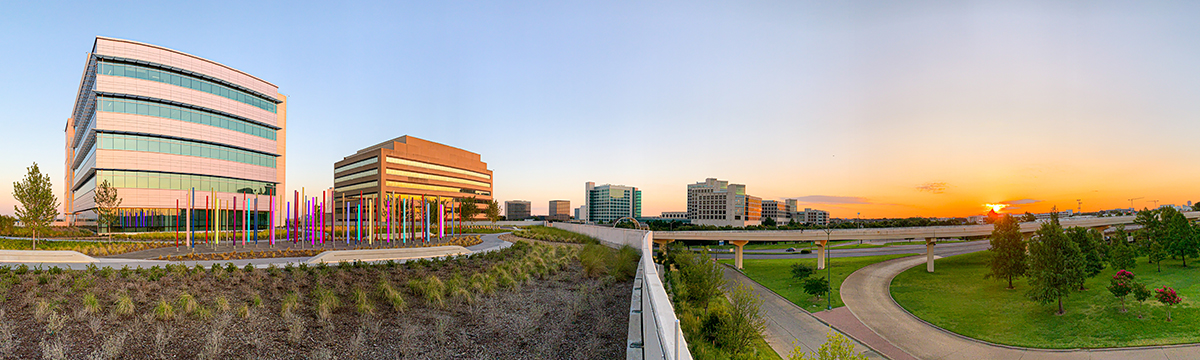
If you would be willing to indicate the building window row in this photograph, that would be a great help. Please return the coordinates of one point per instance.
(357, 186)
(166, 77)
(357, 175)
(436, 177)
(182, 147)
(140, 107)
(407, 185)
(422, 165)
(355, 165)
(170, 181)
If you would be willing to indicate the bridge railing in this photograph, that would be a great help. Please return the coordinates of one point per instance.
(652, 317)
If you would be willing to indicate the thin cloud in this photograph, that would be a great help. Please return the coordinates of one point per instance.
(829, 199)
(933, 187)
(1021, 202)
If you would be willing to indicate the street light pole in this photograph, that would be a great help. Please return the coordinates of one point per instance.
(828, 265)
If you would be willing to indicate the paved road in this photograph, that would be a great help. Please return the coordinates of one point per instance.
(491, 242)
(866, 294)
(787, 323)
(958, 247)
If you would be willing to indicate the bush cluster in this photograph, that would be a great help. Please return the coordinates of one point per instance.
(543, 233)
(713, 326)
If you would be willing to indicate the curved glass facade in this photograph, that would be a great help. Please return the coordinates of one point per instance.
(169, 181)
(167, 77)
(181, 147)
(149, 108)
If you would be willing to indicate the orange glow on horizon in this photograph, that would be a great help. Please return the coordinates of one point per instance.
(996, 207)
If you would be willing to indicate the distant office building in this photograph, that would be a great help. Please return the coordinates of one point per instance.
(581, 213)
(516, 210)
(409, 168)
(679, 215)
(719, 203)
(156, 123)
(560, 210)
(607, 203)
(775, 210)
(814, 216)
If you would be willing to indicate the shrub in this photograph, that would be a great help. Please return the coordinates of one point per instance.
(1121, 285)
(482, 283)
(204, 313)
(256, 300)
(432, 289)
(816, 286)
(503, 278)
(21, 269)
(42, 309)
(802, 271)
(243, 311)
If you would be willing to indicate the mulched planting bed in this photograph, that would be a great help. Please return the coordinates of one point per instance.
(530, 301)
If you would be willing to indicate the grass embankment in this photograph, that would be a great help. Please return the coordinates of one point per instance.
(98, 248)
(959, 299)
(776, 274)
(59, 232)
(544, 233)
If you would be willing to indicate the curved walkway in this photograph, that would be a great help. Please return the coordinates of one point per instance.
(866, 293)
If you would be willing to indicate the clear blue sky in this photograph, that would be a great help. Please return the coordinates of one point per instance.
(890, 109)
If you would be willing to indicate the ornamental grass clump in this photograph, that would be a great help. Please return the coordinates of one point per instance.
(482, 283)
(393, 297)
(290, 303)
(186, 303)
(223, 304)
(163, 310)
(327, 301)
(1168, 297)
(124, 305)
(91, 305)
(362, 302)
(432, 289)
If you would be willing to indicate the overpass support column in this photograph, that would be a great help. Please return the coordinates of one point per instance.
(821, 254)
(661, 243)
(737, 258)
(929, 243)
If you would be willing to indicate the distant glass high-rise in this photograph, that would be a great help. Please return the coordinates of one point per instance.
(517, 210)
(560, 210)
(607, 203)
(157, 123)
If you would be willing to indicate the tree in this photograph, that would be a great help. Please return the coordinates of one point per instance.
(1196, 206)
(1028, 217)
(493, 210)
(801, 271)
(745, 321)
(769, 221)
(1150, 232)
(1088, 242)
(816, 286)
(1157, 252)
(703, 277)
(1008, 251)
(6, 224)
(1168, 297)
(107, 202)
(468, 208)
(1120, 254)
(39, 206)
(1054, 269)
(1121, 285)
(1179, 236)
(836, 347)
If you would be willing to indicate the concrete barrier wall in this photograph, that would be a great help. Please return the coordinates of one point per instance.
(504, 223)
(661, 336)
(613, 237)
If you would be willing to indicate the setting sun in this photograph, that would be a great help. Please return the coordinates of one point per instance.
(996, 207)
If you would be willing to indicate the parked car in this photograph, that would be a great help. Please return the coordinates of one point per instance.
(791, 250)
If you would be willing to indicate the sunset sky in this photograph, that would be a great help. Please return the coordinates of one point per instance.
(885, 108)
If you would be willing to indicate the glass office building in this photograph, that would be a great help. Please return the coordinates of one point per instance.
(607, 203)
(156, 123)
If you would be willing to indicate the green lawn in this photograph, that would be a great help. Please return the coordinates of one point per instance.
(776, 274)
(858, 246)
(957, 298)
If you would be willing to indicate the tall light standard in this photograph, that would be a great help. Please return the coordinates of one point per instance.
(828, 265)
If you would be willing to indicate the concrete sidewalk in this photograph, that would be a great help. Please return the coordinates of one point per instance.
(77, 261)
(866, 293)
(787, 324)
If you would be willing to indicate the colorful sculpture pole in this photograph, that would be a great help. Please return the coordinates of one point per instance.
(441, 219)
(271, 220)
(358, 228)
(403, 221)
(255, 220)
(287, 222)
(191, 230)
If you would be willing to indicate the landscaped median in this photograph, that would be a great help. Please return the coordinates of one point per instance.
(776, 274)
(90, 248)
(958, 298)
